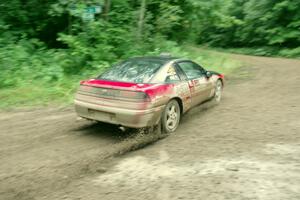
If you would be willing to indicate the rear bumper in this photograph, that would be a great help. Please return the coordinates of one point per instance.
(119, 116)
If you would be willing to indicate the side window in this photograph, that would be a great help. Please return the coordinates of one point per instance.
(172, 75)
(192, 70)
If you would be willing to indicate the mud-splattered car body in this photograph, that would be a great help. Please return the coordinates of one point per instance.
(140, 103)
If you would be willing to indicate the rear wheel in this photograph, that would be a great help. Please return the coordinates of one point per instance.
(171, 117)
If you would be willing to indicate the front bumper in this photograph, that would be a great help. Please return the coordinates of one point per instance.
(120, 116)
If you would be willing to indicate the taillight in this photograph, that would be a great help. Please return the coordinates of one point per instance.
(138, 96)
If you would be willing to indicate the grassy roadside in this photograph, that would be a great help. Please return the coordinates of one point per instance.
(38, 94)
(262, 51)
(213, 60)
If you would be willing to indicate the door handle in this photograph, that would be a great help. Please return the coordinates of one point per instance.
(191, 84)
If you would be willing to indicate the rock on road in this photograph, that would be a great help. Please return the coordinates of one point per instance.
(248, 147)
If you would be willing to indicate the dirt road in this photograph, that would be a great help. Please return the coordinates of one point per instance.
(248, 147)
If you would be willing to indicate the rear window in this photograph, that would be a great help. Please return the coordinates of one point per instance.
(135, 71)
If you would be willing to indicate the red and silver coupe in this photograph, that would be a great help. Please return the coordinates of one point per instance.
(146, 91)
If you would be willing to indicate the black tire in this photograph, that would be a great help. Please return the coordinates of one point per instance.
(170, 117)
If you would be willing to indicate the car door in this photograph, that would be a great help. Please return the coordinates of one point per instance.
(176, 76)
(199, 84)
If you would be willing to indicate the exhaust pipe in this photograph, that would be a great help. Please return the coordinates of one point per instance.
(79, 118)
(122, 128)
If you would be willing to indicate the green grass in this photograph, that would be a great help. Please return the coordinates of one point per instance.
(264, 51)
(40, 93)
(213, 60)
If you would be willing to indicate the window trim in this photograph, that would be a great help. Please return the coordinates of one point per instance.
(176, 70)
(202, 70)
(181, 73)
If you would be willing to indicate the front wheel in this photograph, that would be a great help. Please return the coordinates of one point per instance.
(218, 91)
(171, 117)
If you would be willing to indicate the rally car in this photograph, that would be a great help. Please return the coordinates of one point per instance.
(145, 91)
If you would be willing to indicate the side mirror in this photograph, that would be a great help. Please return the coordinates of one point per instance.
(208, 74)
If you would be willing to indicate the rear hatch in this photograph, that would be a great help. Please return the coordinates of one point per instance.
(114, 94)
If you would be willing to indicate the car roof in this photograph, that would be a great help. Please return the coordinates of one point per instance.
(164, 59)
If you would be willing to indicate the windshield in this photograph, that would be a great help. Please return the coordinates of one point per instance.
(135, 71)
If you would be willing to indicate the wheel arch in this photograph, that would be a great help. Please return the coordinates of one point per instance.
(222, 80)
(179, 101)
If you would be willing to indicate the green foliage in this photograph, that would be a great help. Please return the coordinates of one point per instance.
(19, 61)
(38, 92)
(170, 16)
(49, 44)
(292, 53)
(240, 23)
